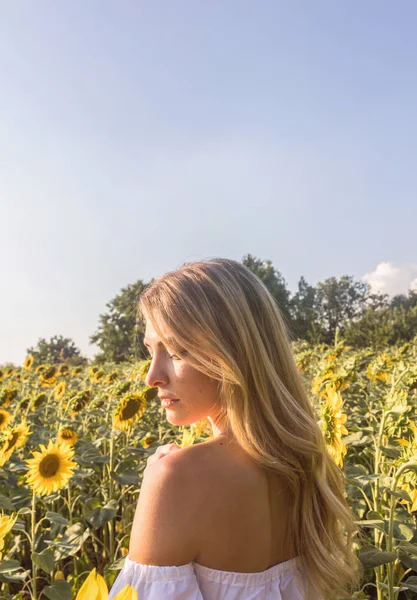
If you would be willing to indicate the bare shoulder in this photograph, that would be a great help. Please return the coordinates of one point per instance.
(165, 527)
(218, 472)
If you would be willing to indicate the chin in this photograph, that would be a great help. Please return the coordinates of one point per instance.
(177, 420)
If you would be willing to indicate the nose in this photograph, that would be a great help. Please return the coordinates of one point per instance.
(156, 376)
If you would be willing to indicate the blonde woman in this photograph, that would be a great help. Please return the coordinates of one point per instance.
(258, 511)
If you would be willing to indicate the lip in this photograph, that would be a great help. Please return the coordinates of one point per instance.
(167, 398)
(167, 403)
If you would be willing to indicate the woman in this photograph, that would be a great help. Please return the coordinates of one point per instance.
(258, 511)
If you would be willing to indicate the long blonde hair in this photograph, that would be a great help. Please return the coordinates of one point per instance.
(232, 330)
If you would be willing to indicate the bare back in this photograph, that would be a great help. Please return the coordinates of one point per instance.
(244, 511)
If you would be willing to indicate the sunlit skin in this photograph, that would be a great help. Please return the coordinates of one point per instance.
(198, 393)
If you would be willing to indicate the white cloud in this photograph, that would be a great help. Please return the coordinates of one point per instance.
(390, 279)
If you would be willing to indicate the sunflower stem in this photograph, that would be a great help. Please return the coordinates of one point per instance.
(111, 466)
(34, 566)
(111, 523)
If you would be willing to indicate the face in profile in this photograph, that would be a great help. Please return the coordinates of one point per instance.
(197, 394)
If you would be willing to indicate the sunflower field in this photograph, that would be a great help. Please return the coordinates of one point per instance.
(74, 443)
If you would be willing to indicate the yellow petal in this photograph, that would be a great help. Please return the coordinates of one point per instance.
(402, 442)
(127, 593)
(89, 589)
(103, 593)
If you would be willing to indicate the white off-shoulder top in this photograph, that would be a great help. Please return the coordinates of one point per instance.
(284, 581)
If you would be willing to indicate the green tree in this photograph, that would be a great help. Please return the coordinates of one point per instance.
(407, 302)
(338, 302)
(274, 281)
(305, 314)
(383, 327)
(120, 332)
(57, 350)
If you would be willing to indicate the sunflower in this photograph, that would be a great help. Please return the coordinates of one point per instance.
(187, 438)
(99, 401)
(15, 438)
(51, 469)
(408, 480)
(200, 428)
(377, 369)
(40, 369)
(39, 400)
(150, 393)
(412, 492)
(76, 371)
(6, 524)
(95, 587)
(149, 439)
(59, 391)
(332, 422)
(123, 388)
(7, 396)
(143, 369)
(320, 380)
(24, 403)
(63, 369)
(67, 436)
(129, 410)
(48, 377)
(79, 401)
(16, 379)
(47, 383)
(5, 418)
(112, 377)
(50, 372)
(98, 376)
(28, 362)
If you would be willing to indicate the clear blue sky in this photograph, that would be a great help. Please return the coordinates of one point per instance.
(138, 135)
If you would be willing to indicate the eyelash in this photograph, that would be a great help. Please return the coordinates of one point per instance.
(169, 355)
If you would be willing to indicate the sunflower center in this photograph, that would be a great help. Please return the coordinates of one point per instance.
(49, 465)
(2, 418)
(329, 427)
(130, 409)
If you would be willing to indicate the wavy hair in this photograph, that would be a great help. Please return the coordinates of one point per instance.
(231, 328)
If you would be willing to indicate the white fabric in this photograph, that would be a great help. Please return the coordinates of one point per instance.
(196, 582)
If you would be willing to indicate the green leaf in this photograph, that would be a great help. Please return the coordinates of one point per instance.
(403, 531)
(411, 583)
(89, 505)
(117, 564)
(25, 510)
(70, 542)
(372, 557)
(364, 479)
(372, 523)
(6, 503)
(407, 560)
(126, 478)
(399, 494)
(409, 548)
(7, 566)
(390, 451)
(372, 514)
(44, 559)
(56, 518)
(99, 516)
(59, 590)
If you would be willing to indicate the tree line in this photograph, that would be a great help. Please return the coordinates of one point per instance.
(315, 314)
